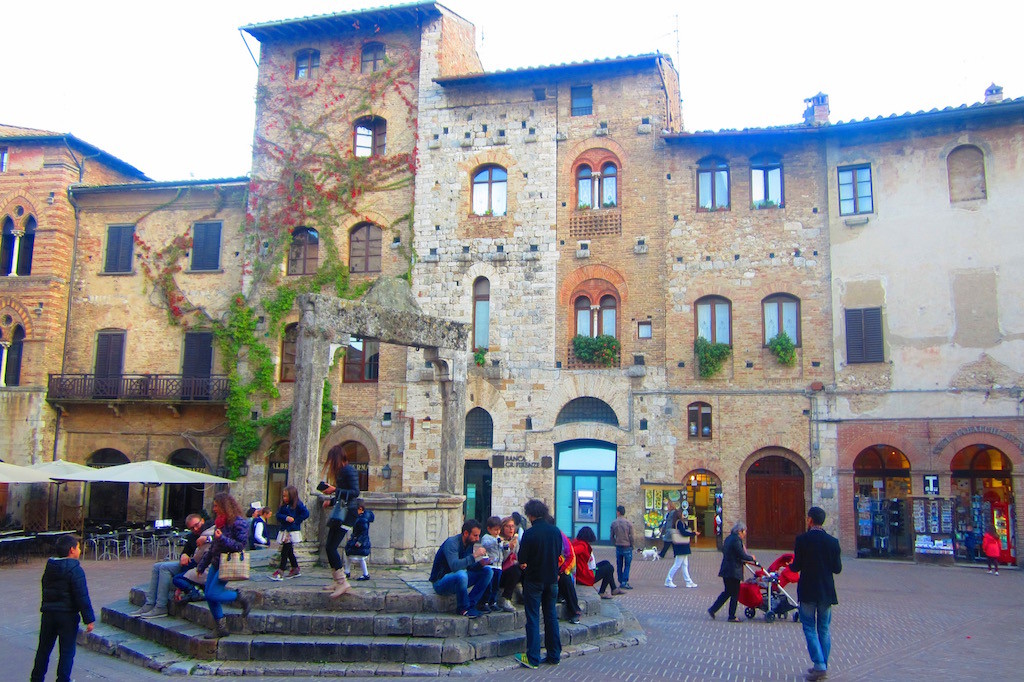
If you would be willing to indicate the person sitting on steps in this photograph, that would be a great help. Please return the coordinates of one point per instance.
(456, 569)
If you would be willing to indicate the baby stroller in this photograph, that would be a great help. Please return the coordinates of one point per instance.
(766, 590)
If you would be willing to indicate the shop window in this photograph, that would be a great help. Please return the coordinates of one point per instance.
(479, 428)
(289, 349)
(712, 184)
(965, 166)
(206, 246)
(372, 58)
(362, 361)
(120, 244)
(364, 249)
(307, 64)
(490, 191)
(781, 314)
(714, 319)
(582, 100)
(481, 313)
(864, 341)
(587, 409)
(304, 254)
(855, 193)
(371, 133)
(766, 182)
(10, 357)
(698, 420)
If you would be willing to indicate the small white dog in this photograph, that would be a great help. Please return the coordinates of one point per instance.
(650, 554)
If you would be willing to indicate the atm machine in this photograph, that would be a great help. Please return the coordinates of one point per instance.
(585, 510)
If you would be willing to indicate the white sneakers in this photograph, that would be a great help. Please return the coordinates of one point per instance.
(691, 584)
(669, 583)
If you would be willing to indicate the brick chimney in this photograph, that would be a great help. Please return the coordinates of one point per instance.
(816, 113)
(993, 94)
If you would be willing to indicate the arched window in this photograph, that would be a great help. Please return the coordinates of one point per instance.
(373, 57)
(304, 254)
(490, 191)
(362, 361)
(766, 181)
(289, 348)
(307, 64)
(712, 184)
(698, 420)
(966, 168)
(600, 319)
(481, 313)
(714, 319)
(587, 409)
(781, 314)
(10, 358)
(584, 325)
(7, 249)
(371, 134)
(597, 190)
(364, 249)
(606, 321)
(479, 429)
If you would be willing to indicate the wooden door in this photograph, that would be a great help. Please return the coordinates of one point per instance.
(775, 504)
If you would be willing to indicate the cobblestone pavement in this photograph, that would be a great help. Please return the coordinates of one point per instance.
(896, 621)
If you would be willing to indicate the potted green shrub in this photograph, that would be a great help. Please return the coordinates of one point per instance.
(783, 348)
(710, 356)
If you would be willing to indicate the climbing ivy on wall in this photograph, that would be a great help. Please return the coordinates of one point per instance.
(306, 175)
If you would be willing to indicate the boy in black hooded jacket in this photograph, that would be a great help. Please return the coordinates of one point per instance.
(65, 596)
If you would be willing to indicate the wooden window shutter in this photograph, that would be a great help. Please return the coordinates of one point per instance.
(873, 348)
(206, 246)
(854, 336)
(119, 248)
(198, 360)
(109, 354)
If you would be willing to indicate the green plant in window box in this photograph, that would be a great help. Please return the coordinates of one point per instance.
(764, 203)
(609, 204)
(583, 207)
(783, 348)
(601, 350)
(480, 356)
(710, 356)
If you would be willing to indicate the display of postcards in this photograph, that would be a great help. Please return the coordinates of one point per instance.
(933, 516)
(919, 526)
(947, 516)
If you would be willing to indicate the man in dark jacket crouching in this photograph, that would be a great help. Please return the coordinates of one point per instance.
(65, 596)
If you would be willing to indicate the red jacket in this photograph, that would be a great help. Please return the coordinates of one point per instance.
(583, 552)
(991, 546)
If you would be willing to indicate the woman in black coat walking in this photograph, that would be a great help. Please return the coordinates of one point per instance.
(734, 555)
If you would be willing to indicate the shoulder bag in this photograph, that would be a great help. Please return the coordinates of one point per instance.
(234, 566)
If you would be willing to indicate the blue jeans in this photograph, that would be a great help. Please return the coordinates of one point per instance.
(459, 584)
(491, 596)
(160, 582)
(535, 596)
(816, 619)
(623, 560)
(217, 592)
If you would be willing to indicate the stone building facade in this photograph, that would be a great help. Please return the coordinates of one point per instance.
(36, 261)
(545, 204)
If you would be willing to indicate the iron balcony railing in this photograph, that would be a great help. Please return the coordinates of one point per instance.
(132, 387)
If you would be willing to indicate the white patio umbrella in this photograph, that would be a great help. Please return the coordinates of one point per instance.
(61, 472)
(12, 473)
(152, 473)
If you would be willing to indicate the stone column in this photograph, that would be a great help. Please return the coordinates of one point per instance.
(453, 423)
(16, 252)
(311, 364)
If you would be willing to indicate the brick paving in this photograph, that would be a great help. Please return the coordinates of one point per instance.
(897, 621)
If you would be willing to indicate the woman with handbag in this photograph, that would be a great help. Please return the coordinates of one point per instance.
(230, 534)
(345, 495)
(679, 535)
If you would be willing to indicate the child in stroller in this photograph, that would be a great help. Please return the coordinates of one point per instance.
(766, 590)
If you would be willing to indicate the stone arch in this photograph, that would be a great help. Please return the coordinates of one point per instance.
(583, 146)
(946, 449)
(347, 431)
(577, 277)
(848, 451)
(587, 385)
(9, 208)
(483, 394)
(19, 316)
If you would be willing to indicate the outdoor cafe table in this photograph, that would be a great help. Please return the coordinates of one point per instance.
(13, 548)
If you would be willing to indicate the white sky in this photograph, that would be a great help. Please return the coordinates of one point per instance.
(168, 86)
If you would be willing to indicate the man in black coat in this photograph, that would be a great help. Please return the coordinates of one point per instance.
(65, 596)
(817, 558)
(538, 558)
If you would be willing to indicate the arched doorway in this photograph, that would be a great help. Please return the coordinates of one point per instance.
(277, 474)
(182, 499)
(108, 502)
(982, 484)
(776, 510)
(704, 506)
(359, 457)
(881, 481)
(585, 486)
